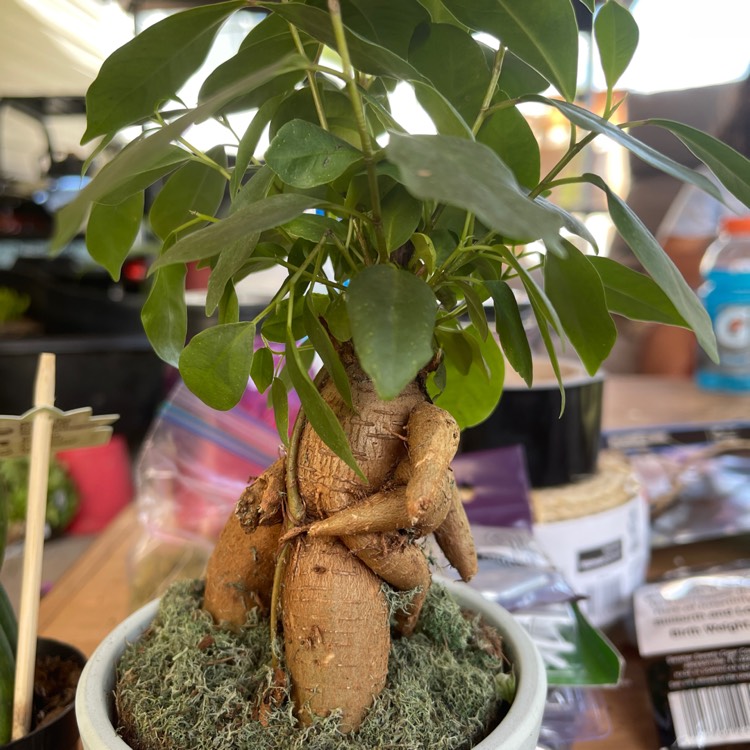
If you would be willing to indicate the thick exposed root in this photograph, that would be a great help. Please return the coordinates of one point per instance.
(400, 563)
(336, 631)
(432, 440)
(454, 538)
(261, 502)
(239, 574)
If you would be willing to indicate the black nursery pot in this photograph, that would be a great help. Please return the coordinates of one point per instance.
(61, 733)
(559, 448)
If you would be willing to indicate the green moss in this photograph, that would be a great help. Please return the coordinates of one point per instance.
(189, 685)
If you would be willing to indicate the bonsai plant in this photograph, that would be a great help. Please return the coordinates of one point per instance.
(400, 251)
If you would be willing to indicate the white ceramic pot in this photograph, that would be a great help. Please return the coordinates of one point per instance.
(519, 729)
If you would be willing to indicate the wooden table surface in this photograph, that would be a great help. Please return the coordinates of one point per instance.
(93, 595)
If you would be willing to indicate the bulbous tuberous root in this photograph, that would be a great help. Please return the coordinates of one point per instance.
(377, 532)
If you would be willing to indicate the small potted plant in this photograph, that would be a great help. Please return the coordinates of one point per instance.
(399, 254)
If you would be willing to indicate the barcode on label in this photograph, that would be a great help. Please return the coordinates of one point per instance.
(711, 715)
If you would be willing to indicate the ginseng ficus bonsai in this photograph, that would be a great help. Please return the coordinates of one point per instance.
(402, 253)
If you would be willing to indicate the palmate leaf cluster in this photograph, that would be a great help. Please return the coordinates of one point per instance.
(406, 245)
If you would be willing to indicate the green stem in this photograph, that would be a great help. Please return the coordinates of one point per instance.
(571, 153)
(314, 90)
(359, 116)
(497, 68)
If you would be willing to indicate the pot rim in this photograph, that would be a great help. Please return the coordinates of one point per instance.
(518, 729)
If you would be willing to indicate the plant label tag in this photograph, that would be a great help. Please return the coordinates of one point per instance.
(70, 429)
(694, 634)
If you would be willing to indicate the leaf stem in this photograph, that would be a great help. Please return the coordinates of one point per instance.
(359, 116)
(497, 68)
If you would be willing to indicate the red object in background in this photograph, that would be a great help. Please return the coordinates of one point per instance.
(103, 476)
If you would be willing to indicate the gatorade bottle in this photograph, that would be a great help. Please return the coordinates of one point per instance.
(725, 293)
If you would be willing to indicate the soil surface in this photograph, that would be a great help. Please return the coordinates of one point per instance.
(55, 680)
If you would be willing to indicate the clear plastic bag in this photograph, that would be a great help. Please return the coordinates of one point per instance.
(192, 468)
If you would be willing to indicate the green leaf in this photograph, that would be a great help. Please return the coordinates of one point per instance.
(543, 33)
(261, 370)
(517, 78)
(111, 232)
(280, 404)
(256, 217)
(471, 396)
(215, 364)
(477, 313)
(731, 167)
(510, 329)
(268, 41)
(337, 318)
(151, 68)
(249, 142)
(392, 315)
(454, 63)
(195, 188)
(304, 155)
(471, 176)
(229, 306)
(164, 314)
(325, 349)
(616, 35)
(572, 223)
(388, 23)
(400, 214)
(660, 267)
(509, 135)
(366, 56)
(314, 228)
(444, 116)
(592, 122)
(145, 154)
(456, 349)
(575, 289)
(320, 415)
(635, 295)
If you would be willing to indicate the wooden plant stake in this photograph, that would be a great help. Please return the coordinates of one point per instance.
(50, 429)
(41, 441)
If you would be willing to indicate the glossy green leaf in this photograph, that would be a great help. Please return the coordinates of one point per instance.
(424, 252)
(249, 142)
(471, 396)
(152, 67)
(443, 114)
(510, 136)
(592, 122)
(477, 313)
(572, 223)
(195, 188)
(215, 364)
(660, 267)
(268, 41)
(616, 35)
(280, 404)
(543, 33)
(366, 56)
(337, 318)
(111, 232)
(314, 228)
(439, 13)
(590, 4)
(143, 155)
(510, 328)
(320, 415)
(388, 23)
(456, 349)
(392, 315)
(400, 213)
(517, 78)
(229, 306)
(256, 217)
(171, 159)
(471, 176)
(575, 289)
(324, 347)
(235, 255)
(731, 167)
(304, 155)
(262, 368)
(164, 314)
(455, 64)
(635, 295)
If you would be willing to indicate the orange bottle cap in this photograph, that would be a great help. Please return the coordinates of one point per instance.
(736, 224)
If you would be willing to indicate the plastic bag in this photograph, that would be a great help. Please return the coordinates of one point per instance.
(191, 470)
